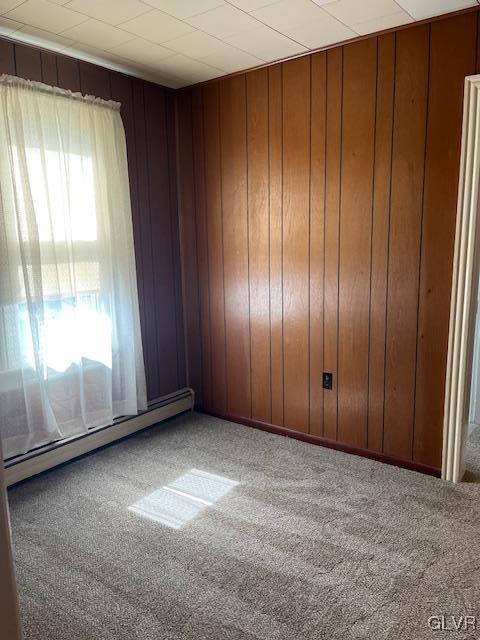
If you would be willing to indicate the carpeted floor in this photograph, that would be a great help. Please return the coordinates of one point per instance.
(472, 457)
(310, 544)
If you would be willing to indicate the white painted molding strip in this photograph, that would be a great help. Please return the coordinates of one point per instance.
(45, 458)
(464, 289)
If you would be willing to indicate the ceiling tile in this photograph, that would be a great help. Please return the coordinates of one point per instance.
(142, 51)
(157, 27)
(352, 11)
(98, 34)
(185, 8)
(233, 60)
(179, 42)
(144, 71)
(196, 44)
(265, 43)
(188, 69)
(289, 13)
(8, 5)
(111, 11)
(223, 22)
(251, 5)
(385, 22)
(45, 15)
(41, 38)
(420, 9)
(320, 33)
(8, 26)
(305, 23)
(117, 63)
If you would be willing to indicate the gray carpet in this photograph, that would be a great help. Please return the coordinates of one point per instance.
(472, 457)
(311, 544)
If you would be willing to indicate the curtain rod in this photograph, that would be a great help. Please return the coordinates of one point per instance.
(33, 85)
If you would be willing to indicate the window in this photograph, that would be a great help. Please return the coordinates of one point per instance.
(70, 346)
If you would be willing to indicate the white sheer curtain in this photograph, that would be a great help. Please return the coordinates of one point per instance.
(70, 343)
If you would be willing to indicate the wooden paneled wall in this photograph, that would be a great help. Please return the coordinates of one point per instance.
(148, 116)
(317, 203)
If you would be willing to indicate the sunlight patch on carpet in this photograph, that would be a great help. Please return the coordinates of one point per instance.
(183, 499)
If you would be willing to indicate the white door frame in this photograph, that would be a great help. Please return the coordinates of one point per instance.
(464, 289)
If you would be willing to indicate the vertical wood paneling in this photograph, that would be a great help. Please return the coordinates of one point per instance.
(188, 234)
(258, 242)
(68, 71)
(235, 243)
(380, 229)
(358, 143)
(275, 149)
(331, 255)
(296, 213)
(95, 80)
(202, 245)
(172, 200)
(28, 63)
(213, 198)
(148, 285)
(160, 232)
(452, 57)
(410, 110)
(294, 177)
(49, 68)
(7, 57)
(316, 236)
(359, 244)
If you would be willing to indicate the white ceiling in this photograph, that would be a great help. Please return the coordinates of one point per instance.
(180, 42)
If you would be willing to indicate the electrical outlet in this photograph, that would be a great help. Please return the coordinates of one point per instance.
(327, 380)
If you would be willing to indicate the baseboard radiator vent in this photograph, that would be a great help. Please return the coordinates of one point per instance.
(43, 458)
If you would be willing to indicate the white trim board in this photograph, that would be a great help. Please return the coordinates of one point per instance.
(464, 290)
(65, 450)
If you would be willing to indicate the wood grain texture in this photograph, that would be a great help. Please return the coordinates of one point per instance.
(233, 134)
(361, 144)
(358, 144)
(172, 202)
(258, 242)
(332, 236)
(7, 57)
(28, 63)
(202, 245)
(452, 56)
(95, 80)
(68, 71)
(147, 112)
(410, 112)
(160, 231)
(316, 236)
(275, 150)
(188, 234)
(380, 232)
(49, 68)
(296, 221)
(214, 229)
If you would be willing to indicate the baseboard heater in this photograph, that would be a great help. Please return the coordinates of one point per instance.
(46, 457)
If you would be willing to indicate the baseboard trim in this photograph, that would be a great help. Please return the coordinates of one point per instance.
(22, 467)
(329, 444)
